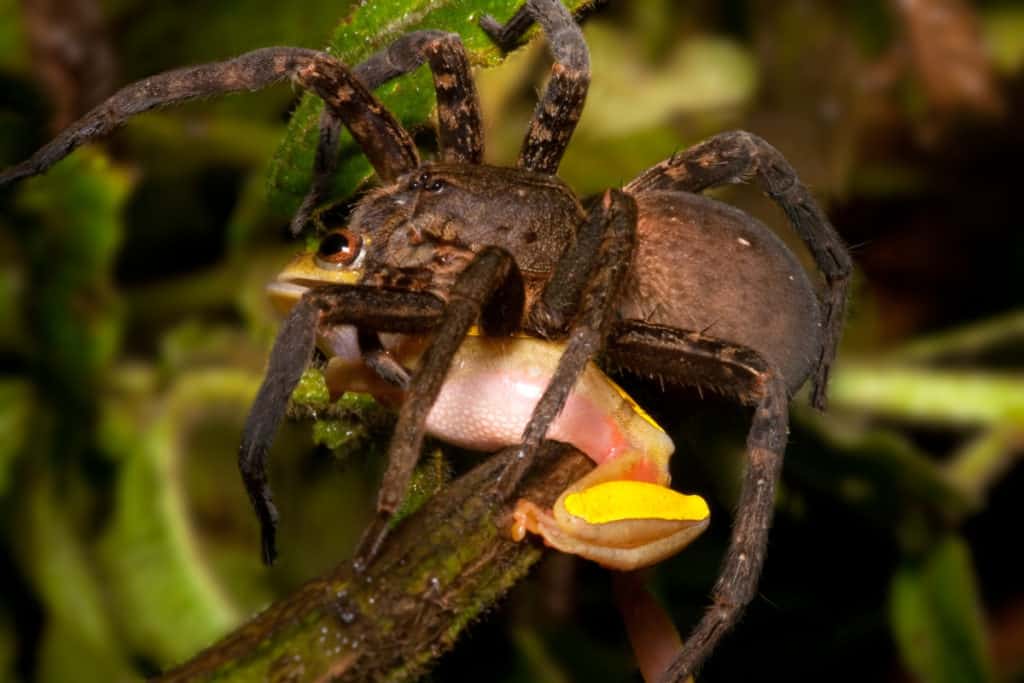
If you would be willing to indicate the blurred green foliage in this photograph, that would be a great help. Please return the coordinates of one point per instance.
(133, 334)
(935, 615)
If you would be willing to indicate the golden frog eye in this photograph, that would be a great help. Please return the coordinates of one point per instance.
(338, 249)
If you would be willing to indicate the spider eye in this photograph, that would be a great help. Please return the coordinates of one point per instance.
(339, 249)
(425, 182)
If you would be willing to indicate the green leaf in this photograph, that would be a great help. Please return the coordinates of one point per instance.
(371, 27)
(214, 30)
(936, 616)
(704, 73)
(71, 252)
(64, 649)
(879, 473)
(13, 53)
(1003, 28)
(984, 460)
(923, 395)
(165, 595)
(50, 553)
(17, 403)
(704, 80)
(966, 342)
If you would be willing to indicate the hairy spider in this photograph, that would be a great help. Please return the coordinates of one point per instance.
(662, 281)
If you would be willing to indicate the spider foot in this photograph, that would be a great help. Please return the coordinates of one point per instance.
(819, 388)
(372, 542)
(510, 477)
(505, 36)
(268, 544)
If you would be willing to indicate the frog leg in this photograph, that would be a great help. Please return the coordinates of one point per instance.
(655, 640)
(622, 515)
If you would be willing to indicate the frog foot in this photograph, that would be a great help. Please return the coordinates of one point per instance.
(621, 524)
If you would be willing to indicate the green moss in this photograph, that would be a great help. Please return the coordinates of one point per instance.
(336, 434)
(311, 391)
(429, 477)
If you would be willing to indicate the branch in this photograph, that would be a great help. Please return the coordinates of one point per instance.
(438, 571)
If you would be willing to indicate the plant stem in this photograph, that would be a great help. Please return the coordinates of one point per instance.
(440, 570)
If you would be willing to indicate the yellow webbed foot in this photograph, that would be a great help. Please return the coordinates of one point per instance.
(621, 524)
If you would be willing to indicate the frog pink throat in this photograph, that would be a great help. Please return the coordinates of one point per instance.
(621, 515)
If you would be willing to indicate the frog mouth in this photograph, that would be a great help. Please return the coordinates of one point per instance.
(285, 292)
(302, 274)
(299, 285)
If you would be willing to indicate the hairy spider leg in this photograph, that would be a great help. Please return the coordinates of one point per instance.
(388, 147)
(392, 152)
(615, 217)
(737, 156)
(559, 108)
(691, 358)
(459, 124)
(390, 310)
(380, 361)
(489, 289)
(460, 127)
(559, 301)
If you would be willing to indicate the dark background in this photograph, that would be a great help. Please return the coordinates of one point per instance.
(133, 332)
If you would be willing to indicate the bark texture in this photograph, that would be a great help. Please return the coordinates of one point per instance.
(438, 571)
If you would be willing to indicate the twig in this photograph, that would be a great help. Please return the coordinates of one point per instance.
(440, 570)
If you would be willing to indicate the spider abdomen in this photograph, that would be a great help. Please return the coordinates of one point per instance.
(704, 266)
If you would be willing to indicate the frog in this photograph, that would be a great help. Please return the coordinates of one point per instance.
(624, 515)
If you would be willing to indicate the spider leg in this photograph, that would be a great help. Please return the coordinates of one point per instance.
(559, 301)
(325, 165)
(615, 218)
(488, 289)
(737, 156)
(691, 358)
(386, 144)
(387, 310)
(460, 129)
(250, 71)
(380, 361)
(559, 109)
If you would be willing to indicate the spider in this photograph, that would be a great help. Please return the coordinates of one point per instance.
(659, 280)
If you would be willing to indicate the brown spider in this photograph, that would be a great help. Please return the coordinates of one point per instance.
(662, 281)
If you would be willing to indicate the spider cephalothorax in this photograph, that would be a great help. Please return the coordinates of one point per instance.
(428, 225)
(663, 282)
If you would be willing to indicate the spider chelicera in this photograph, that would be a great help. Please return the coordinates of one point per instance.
(659, 280)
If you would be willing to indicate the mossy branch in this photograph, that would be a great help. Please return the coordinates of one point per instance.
(440, 569)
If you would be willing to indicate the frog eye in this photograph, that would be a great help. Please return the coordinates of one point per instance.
(339, 249)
